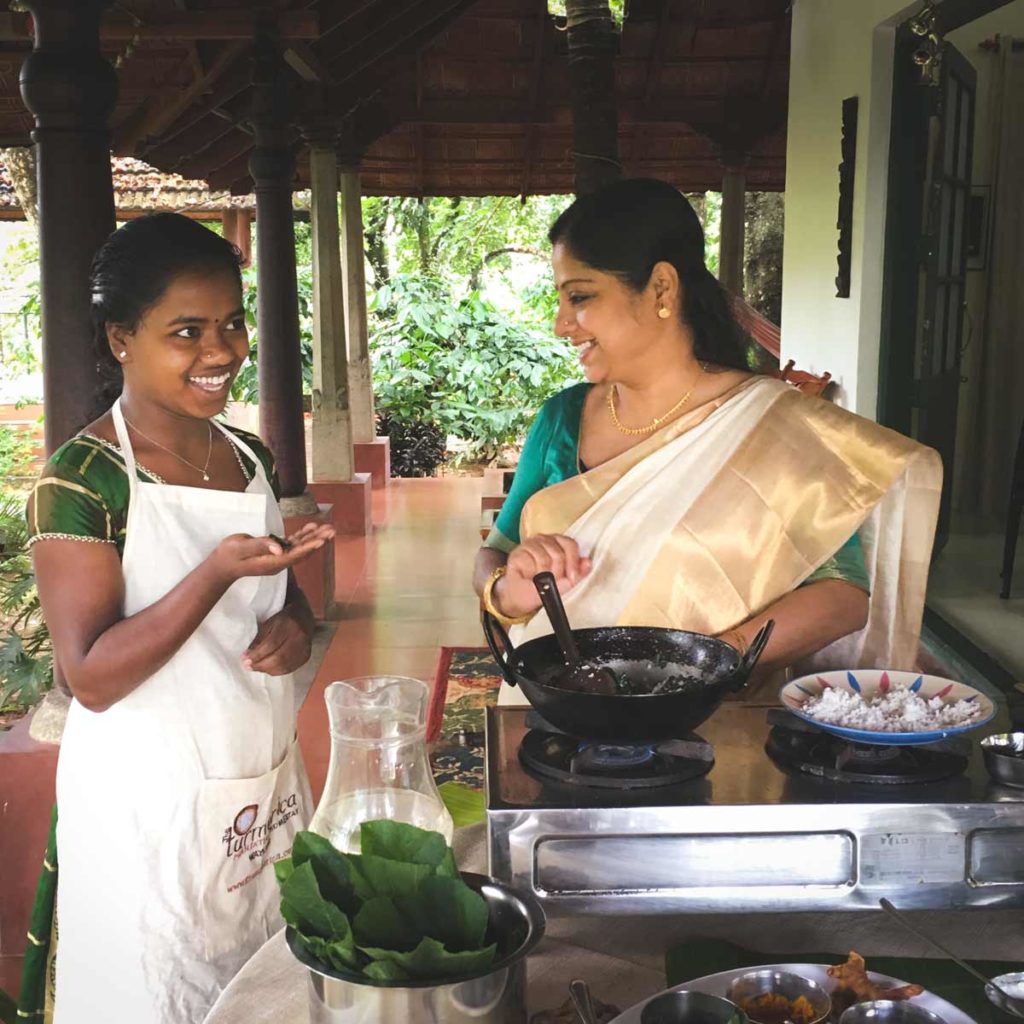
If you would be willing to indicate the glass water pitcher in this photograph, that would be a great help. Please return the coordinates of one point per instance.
(379, 766)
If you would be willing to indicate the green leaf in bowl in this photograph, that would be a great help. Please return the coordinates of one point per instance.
(382, 924)
(305, 909)
(446, 909)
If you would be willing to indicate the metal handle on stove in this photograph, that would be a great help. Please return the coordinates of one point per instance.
(753, 655)
(495, 631)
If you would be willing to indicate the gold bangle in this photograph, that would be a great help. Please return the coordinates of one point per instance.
(734, 638)
(487, 600)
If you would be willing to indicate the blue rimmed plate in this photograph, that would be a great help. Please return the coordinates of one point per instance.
(870, 683)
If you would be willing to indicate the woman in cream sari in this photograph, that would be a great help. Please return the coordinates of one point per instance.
(677, 489)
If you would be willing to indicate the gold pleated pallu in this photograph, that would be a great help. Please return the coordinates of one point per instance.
(724, 511)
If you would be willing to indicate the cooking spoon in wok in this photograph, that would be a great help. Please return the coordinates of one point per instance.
(579, 676)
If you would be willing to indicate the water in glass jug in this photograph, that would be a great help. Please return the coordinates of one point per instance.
(379, 766)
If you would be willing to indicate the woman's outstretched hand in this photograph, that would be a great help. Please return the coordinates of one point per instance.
(242, 555)
(515, 594)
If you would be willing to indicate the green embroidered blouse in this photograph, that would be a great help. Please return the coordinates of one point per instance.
(82, 492)
(550, 456)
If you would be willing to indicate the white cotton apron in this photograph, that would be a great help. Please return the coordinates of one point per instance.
(174, 803)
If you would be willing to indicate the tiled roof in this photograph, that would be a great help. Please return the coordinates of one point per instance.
(140, 188)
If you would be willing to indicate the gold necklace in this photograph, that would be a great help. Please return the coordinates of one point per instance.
(180, 458)
(658, 420)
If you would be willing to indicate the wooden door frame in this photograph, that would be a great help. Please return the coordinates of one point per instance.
(903, 222)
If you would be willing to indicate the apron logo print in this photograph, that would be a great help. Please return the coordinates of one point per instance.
(244, 836)
(245, 819)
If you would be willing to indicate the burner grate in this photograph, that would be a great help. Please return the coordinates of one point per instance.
(798, 747)
(555, 756)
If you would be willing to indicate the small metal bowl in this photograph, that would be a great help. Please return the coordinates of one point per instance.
(691, 1008)
(783, 983)
(889, 1011)
(1004, 757)
(1012, 985)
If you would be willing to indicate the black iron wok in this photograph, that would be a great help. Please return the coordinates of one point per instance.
(642, 655)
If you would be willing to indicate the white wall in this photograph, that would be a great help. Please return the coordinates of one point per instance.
(839, 49)
(843, 48)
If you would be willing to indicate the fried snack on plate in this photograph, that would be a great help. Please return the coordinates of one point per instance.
(854, 986)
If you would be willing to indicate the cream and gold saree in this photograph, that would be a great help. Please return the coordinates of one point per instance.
(727, 509)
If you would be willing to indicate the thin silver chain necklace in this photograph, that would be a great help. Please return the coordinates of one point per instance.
(209, 451)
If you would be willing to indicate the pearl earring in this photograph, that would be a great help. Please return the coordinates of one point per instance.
(122, 355)
(664, 313)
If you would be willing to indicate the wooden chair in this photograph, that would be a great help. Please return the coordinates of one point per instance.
(808, 383)
(1013, 517)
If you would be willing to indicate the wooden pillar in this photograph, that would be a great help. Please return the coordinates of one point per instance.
(272, 166)
(593, 41)
(332, 428)
(237, 227)
(70, 89)
(364, 427)
(731, 239)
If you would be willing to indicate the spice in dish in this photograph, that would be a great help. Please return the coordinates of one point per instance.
(773, 1008)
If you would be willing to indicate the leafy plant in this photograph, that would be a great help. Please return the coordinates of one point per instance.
(397, 911)
(417, 448)
(26, 652)
(462, 365)
(245, 387)
(17, 450)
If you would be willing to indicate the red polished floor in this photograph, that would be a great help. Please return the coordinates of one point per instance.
(402, 593)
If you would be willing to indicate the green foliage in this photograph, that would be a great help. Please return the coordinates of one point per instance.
(245, 387)
(462, 365)
(26, 653)
(398, 911)
(417, 448)
(17, 449)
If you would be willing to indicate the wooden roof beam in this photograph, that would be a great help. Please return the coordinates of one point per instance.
(428, 18)
(165, 107)
(499, 111)
(537, 75)
(778, 34)
(171, 155)
(181, 25)
(654, 66)
(234, 82)
(220, 154)
(301, 58)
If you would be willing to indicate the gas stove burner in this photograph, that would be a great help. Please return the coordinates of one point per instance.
(555, 756)
(798, 747)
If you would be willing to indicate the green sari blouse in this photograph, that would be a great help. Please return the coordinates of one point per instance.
(82, 492)
(550, 456)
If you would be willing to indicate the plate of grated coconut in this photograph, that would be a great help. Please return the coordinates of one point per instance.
(887, 708)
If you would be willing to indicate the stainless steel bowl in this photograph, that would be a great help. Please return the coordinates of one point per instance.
(691, 1008)
(1004, 757)
(889, 1011)
(496, 997)
(1007, 992)
(783, 983)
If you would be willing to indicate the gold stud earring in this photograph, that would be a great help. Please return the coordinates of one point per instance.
(664, 313)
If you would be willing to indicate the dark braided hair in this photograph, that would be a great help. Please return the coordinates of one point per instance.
(630, 225)
(132, 270)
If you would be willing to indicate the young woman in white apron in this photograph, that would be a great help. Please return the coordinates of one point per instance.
(176, 623)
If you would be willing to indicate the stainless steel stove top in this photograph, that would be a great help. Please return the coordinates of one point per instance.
(749, 836)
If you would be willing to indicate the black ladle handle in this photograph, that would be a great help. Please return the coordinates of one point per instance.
(757, 646)
(751, 658)
(552, 601)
